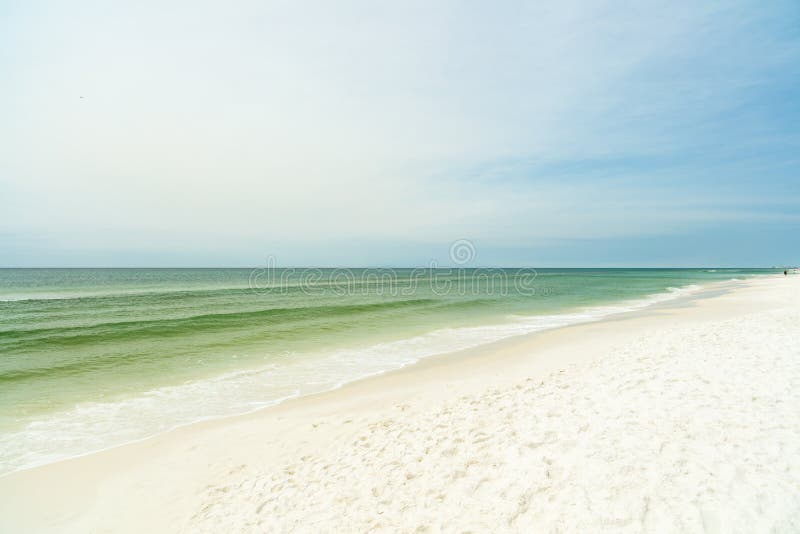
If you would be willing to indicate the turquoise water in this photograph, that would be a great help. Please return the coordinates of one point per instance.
(91, 358)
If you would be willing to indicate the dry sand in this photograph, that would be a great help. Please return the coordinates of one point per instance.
(683, 417)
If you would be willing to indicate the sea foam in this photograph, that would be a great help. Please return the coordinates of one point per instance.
(93, 426)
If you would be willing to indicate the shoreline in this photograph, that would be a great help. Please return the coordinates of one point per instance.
(87, 492)
(645, 302)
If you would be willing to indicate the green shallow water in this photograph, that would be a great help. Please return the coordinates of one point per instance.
(90, 358)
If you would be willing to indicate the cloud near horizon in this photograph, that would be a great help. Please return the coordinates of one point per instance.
(583, 133)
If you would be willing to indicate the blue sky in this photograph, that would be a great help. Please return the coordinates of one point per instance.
(359, 133)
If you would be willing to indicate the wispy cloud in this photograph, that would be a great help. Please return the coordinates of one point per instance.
(200, 127)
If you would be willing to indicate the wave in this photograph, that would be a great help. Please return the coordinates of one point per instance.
(93, 426)
(27, 339)
(283, 286)
(87, 294)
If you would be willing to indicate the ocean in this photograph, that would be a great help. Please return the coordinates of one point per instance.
(93, 358)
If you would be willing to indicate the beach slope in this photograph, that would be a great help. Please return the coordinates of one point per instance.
(680, 417)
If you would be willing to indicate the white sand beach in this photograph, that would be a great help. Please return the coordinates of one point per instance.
(682, 417)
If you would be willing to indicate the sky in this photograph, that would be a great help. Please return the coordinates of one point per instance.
(571, 133)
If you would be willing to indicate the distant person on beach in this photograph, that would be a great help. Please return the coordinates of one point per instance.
(784, 272)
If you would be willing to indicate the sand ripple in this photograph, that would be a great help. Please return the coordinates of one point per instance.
(685, 429)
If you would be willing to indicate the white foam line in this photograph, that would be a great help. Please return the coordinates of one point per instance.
(92, 427)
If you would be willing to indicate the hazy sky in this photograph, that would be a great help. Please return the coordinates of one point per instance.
(566, 133)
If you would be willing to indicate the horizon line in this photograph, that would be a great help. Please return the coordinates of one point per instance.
(406, 267)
